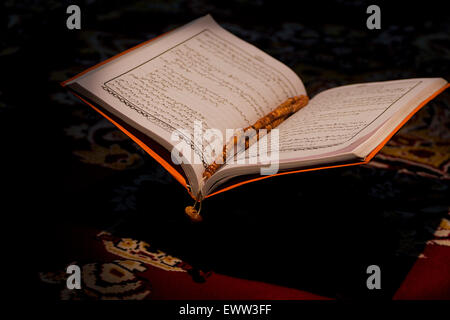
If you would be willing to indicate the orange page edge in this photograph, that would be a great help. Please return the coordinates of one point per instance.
(146, 148)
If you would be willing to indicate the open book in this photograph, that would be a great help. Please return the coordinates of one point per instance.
(202, 74)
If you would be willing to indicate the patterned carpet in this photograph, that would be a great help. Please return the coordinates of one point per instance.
(119, 215)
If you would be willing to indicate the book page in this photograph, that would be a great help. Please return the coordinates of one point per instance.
(336, 118)
(198, 73)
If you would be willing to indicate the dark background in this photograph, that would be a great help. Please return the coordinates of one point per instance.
(313, 231)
